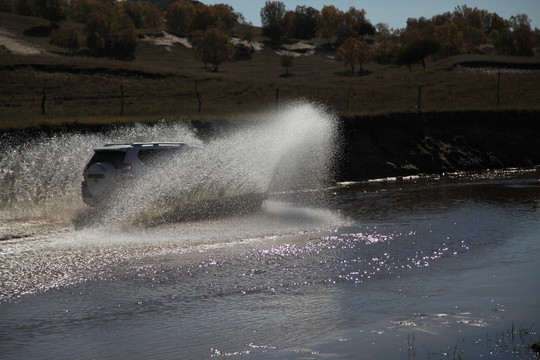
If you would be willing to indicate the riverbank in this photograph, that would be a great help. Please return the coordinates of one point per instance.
(394, 145)
(438, 142)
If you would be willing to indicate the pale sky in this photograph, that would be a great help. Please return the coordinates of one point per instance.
(395, 12)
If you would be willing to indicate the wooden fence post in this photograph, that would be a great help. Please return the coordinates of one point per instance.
(419, 101)
(198, 96)
(43, 99)
(121, 100)
(498, 89)
(349, 98)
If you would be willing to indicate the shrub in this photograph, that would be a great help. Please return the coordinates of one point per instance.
(66, 37)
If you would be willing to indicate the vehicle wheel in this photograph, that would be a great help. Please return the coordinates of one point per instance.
(100, 178)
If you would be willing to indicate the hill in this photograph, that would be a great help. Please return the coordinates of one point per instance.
(165, 81)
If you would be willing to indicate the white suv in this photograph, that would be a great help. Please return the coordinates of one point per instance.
(113, 164)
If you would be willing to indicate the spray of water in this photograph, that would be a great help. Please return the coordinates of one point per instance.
(287, 150)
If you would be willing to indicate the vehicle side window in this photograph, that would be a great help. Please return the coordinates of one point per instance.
(153, 157)
(116, 158)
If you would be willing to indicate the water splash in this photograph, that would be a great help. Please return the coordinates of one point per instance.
(40, 178)
(289, 149)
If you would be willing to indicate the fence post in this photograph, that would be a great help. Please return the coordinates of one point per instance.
(277, 98)
(43, 99)
(198, 96)
(121, 100)
(419, 101)
(498, 89)
(349, 98)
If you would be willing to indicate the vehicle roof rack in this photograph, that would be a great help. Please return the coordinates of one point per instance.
(149, 143)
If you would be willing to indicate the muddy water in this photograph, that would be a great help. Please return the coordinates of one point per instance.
(438, 267)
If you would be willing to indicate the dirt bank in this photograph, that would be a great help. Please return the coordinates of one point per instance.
(431, 143)
(398, 144)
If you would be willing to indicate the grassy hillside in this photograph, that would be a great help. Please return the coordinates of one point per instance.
(161, 83)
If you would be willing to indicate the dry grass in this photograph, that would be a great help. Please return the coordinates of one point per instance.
(160, 83)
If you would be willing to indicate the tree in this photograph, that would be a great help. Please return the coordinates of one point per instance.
(213, 47)
(153, 17)
(356, 24)
(305, 22)
(205, 18)
(450, 39)
(272, 12)
(524, 39)
(274, 32)
(386, 44)
(504, 42)
(81, 9)
(98, 29)
(330, 21)
(246, 31)
(352, 52)
(417, 52)
(227, 18)
(52, 10)
(272, 15)
(8, 6)
(179, 16)
(66, 37)
(134, 10)
(492, 22)
(287, 60)
(111, 34)
(26, 8)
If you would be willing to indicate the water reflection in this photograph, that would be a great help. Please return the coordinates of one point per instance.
(382, 258)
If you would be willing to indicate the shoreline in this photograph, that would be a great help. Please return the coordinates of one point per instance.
(390, 145)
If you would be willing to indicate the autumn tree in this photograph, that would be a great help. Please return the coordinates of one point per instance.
(134, 10)
(213, 47)
(450, 39)
(417, 52)
(287, 60)
(246, 31)
(329, 22)
(272, 12)
(111, 34)
(305, 22)
(67, 37)
(352, 52)
(97, 29)
(52, 10)
(470, 21)
(226, 17)
(153, 17)
(493, 22)
(524, 39)
(80, 10)
(179, 16)
(386, 44)
(355, 24)
(272, 15)
(8, 6)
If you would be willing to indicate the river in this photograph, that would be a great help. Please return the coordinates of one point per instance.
(419, 268)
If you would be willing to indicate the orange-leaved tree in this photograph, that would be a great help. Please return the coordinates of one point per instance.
(352, 52)
(213, 47)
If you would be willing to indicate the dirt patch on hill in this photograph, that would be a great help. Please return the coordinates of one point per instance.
(16, 46)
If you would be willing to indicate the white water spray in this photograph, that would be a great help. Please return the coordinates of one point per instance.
(287, 150)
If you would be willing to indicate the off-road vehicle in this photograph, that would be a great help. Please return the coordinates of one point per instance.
(113, 165)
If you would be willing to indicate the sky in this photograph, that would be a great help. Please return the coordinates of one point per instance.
(395, 12)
